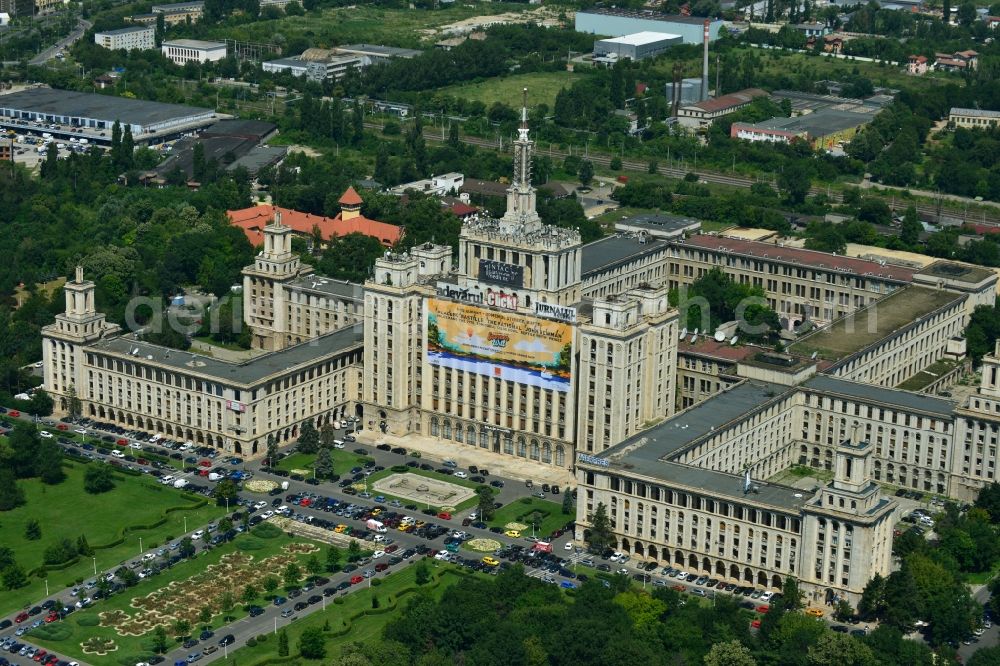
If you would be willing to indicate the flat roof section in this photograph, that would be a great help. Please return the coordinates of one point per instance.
(246, 373)
(854, 332)
(74, 104)
(641, 38)
(950, 270)
(799, 257)
(195, 44)
(879, 394)
(659, 224)
(820, 123)
(606, 253)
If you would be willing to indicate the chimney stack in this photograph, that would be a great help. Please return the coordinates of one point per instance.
(704, 65)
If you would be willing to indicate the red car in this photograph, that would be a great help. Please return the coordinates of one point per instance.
(39, 655)
(122, 442)
(391, 549)
(356, 579)
(444, 515)
(53, 659)
(51, 617)
(763, 609)
(62, 426)
(21, 617)
(755, 624)
(305, 502)
(205, 463)
(14, 413)
(203, 472)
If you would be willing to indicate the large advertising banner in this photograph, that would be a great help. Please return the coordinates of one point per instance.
(514, 347)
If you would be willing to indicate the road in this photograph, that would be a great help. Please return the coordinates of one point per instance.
(929, 211)
(82, 25)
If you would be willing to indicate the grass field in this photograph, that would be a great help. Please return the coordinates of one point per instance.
(409, 28)
(519, 512)
(542, 88)
(343, 630)
(343, 461)
(66, 511)
(67, 635)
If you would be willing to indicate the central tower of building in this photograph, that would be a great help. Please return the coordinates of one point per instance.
(531, 261)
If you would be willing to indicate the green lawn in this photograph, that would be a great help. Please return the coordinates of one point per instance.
(542, 88)
(410, 28)
(520, 510)
(66, 636)
(66, 511)
(346, 622)
(343, 461)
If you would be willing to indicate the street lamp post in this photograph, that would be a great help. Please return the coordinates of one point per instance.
(140, 545)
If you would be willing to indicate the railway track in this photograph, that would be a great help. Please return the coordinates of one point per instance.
(928, 211)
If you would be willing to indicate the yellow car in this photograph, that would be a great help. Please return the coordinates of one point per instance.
(340, 529)
(513, 534)
(491, 561)
(376, 511)
(815, 612)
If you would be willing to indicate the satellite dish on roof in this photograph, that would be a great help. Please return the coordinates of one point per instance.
(719, 336)
(684, 332)
(694, 338)
(734, 339)
(814, 354)
(696, 331)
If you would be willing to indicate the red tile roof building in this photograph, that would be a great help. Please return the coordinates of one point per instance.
(349, 220)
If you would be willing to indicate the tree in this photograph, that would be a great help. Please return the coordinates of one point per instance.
(795, 180)
(98, 479)
(159, 639)
(832, 649)
(50, 167)
(199, 166)
(293, 574)
(181, 627)
(843, 611)
(11, 495)
(312, 643)
(484, 503)
(130, 578)
(308, 438)
(186, 549)
(225, 492)
(966, 13)
(601, 537)
(227, 601)
(422, 573)
(48, 464)
(333, 556)
(73, 403)
(586, 172)
(327, 436)
(323, 465)
(33, 530)
(283, 644)
(271, 584)
(205, 615)
(730, 653)
(353, 551)
(225, 524)
(567, 502)
(272, 450)
(910, 229)
(872, 603)
(249, 594)
(14, 577)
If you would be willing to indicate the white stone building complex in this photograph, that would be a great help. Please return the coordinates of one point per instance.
(535, 347)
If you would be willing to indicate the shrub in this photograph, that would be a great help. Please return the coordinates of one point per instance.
(525, 500)
(339, 601)
(400, 468)
(262, 638)
(88, 621)
(251, 642)
(266, 531)
(376, 582)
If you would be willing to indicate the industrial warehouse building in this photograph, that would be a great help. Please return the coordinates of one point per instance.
(620, 22)
(58, 112)
(822, 130)
(637, 46)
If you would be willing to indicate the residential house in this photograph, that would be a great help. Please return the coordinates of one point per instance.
(917, 65)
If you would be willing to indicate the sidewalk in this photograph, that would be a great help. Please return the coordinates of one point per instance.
(437, 450)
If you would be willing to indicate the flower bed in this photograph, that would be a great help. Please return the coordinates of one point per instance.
(483, 545)
(260, 486)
